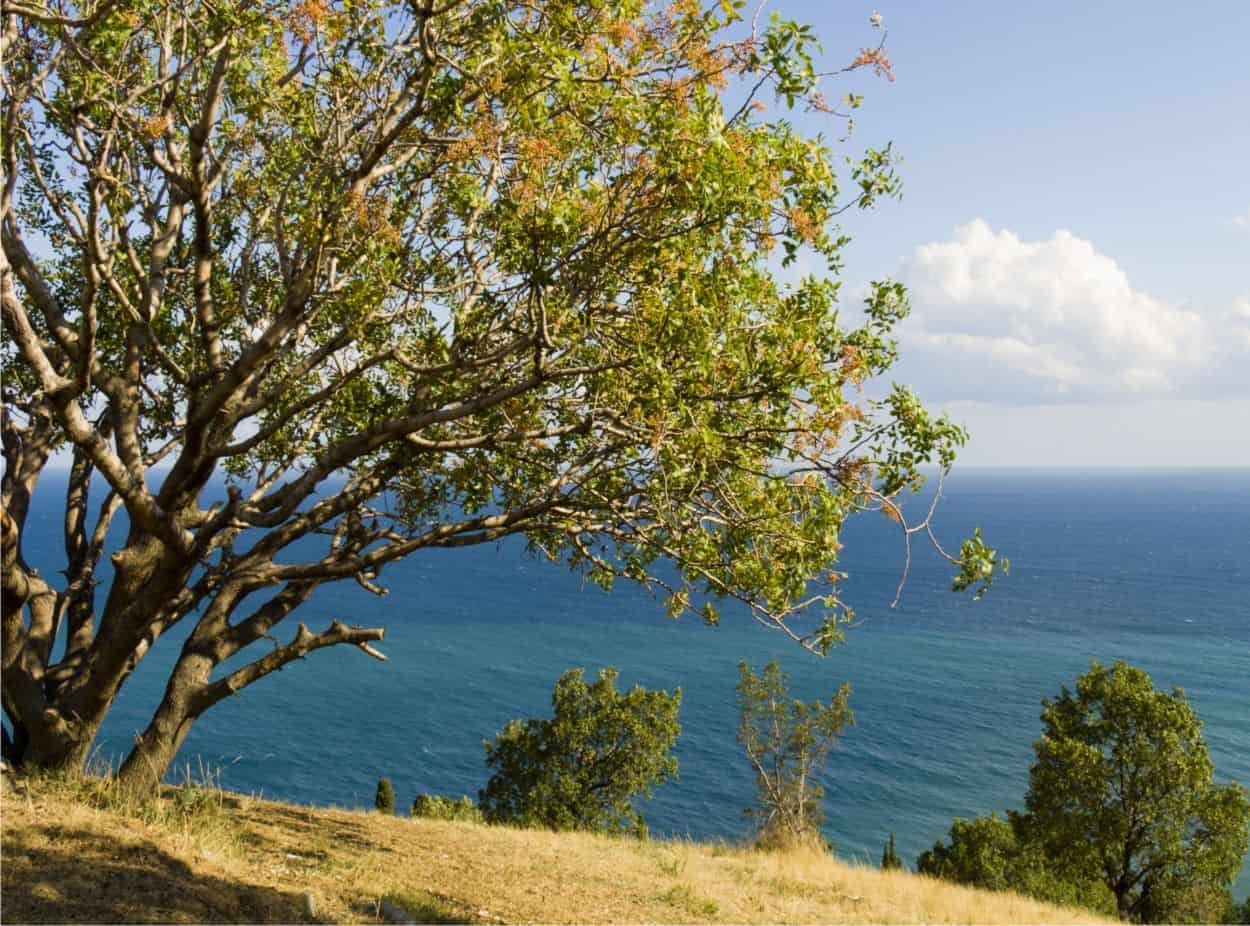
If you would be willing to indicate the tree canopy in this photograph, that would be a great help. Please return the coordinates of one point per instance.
(1123, 786)
(583, 768)
(418, 275)
(1122, 813)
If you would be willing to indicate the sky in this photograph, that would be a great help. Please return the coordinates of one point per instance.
(1075, 221)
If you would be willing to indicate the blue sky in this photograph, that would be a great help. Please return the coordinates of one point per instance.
(1075, 226)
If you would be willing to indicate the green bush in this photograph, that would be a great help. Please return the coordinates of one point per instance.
(384, 799)
(440, 807)
(581, 769)
(981, 853)
(193, 800)
(1192, 902)
(988, 853)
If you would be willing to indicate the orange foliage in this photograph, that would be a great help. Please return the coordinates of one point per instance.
(621, 31)
(537, 152)
(155, 127)
(307, 18)
(878, 59)
(806, 227)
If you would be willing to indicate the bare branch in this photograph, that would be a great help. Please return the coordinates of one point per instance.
(303, 644)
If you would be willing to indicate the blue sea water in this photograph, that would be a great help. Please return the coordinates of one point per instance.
(1146, 566)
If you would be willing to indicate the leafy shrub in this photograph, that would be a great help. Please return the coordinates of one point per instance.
(582, 768)
(384, 799)
(441, 807)
(980, 854)
(192, 800)
(987, 852)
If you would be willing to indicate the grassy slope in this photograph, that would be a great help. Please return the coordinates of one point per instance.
(69, 855)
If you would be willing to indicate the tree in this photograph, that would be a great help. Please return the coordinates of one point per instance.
(583, 768)
(417, 275)
(787, 742)
(1122, 785)
(384, 799)
(890, 860)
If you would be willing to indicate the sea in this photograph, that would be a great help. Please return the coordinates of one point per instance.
(1147, 566)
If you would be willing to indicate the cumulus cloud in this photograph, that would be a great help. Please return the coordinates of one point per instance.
(998, 317)
(1243, 220)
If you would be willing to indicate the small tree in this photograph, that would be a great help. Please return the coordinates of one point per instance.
(890, 860)
(787, 742)
(889, 857)
(1123, 786)
(583, 768)
(384, 799)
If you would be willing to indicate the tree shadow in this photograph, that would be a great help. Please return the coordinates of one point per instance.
(56, 875)
(300, 823)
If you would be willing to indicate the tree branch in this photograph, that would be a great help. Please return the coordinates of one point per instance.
(303, 644)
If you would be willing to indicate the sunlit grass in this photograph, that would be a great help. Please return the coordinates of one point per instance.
(77, 850)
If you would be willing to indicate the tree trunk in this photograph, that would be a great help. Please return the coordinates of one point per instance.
(1122, 905)
(155, 748)
(142, 772)
(49, 742)
(14, 748)
(42, 734)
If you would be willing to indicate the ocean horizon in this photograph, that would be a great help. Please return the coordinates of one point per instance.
(1146, 565)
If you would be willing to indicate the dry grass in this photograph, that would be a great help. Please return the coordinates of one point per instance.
(73, 852)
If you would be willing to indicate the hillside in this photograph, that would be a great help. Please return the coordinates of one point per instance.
(71, 854)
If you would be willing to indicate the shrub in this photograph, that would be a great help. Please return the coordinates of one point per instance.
(582, 768)
(980, 854)
(192, 800)
(384, 799)
(988, 853)
(440, 807)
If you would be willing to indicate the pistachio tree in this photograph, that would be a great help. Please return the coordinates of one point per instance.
(412, 275)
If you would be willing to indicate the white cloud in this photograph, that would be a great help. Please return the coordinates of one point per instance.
(1243, 220)
(1001, 318)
